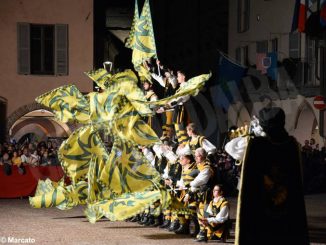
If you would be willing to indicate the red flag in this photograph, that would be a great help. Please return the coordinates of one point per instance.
(302, 16)
(323, 12)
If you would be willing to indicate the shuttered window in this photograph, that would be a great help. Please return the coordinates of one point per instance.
(42, 49)
(243, 17)
(241, 55)
(294, 45)
(23, 37)
(61, 49)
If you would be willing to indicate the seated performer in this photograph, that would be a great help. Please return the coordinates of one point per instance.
(200, 187)
(217, 222)
(189, 173)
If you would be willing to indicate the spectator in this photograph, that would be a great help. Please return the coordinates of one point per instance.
(45, 160)
(17, 161)
(26, 157)
(35, 159)
(6, 163)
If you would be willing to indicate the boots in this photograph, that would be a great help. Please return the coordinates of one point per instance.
(157, 221)
(165, 224)
(150, 221)
(135, 218)
(201, 237)
(183, 229)
(174, 225)
(143, 220)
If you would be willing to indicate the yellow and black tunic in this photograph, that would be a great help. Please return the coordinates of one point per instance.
(217, 229)
(195, 143)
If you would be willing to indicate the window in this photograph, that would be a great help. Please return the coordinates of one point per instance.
(294, 45)
(42, 49)
(241, 55)
(311, 63)
(275, 45)
(243, 15)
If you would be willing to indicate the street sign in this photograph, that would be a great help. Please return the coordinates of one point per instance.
(319, 102)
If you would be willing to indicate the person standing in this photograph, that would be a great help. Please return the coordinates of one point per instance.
(271, 208)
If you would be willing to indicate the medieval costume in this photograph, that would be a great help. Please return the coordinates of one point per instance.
(271, 208)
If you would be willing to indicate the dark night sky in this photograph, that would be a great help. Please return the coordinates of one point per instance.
(188, 33)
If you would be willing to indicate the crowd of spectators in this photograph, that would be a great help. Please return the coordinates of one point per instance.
(28, 154)
(314, 167)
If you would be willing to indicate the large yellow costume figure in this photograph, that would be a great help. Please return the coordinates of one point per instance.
(116, 184)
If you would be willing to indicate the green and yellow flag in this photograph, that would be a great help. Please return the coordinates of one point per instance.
(101, 77)
(68, 104)
(131, 39)
(144, 42)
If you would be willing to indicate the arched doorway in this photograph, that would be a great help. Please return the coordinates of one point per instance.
(38, 125)
(306, 124)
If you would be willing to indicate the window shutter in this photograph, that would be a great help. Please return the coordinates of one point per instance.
(23, 49)
(294, 45)
(61, 49)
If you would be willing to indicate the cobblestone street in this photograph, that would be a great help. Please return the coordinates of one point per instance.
(53, 226)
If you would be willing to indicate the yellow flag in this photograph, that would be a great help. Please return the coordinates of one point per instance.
(144, 42)
(68, 104)
(131, 39)
(192, 87)
(127, 204)
(101, 77)
(76, 152)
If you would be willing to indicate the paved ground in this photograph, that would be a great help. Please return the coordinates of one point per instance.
(53, 226)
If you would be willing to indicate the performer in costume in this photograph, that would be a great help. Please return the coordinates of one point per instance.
(196, 141)
(179, 114)
(271, 208)
(189, 173)
(166, 164)
(170, 84)
(217, 222)
(150, 96)
(200, 187)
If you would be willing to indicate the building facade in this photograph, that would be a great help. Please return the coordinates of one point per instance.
(44, 45)
(259, 28)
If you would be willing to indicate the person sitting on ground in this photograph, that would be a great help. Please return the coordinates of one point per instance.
(217, 222)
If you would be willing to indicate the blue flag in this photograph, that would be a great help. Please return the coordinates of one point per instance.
(226, 89)
(272, 66)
